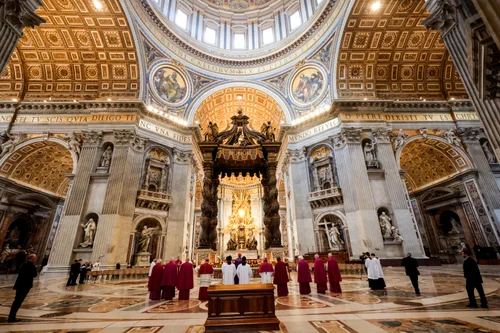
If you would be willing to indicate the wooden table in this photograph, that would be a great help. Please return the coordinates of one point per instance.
(241, 308)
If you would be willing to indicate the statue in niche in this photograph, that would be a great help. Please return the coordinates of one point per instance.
(385, 225)
(11, 141)
(454, 226)
(400, 139)
(146, 236)
(75, 143)
(106, 158)
(89, 233)
(490, 156)
(396, 235)
(324, 177)
(232, 244)
(268, 131)
(335, 239)
(13, 236)
(451, 137)
(212, 131)
(252, 242)
(370, 156)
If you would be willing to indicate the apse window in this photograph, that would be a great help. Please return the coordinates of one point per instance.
(181, 19)
(209, 36)
(267, 36)
(239, 41)
(295, 20)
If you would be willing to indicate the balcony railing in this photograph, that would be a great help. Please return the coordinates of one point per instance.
(153, 200)
(328, 197)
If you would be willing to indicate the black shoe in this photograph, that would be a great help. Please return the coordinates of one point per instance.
(13, 320)
(484, 306)
(418, 294)
(472, 306)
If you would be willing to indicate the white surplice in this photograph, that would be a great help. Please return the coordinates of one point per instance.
(244, 273)
(228, 273)
(266, 277)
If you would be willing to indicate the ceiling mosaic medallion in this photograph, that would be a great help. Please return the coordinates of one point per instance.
(307, 85)
(169, 85)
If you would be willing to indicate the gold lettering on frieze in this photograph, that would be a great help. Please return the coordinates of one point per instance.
(315, 130)
(75, 119)
(406, 117)
(168, 133)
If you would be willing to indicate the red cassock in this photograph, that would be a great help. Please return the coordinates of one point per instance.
(281, 278)
(204, 269)
(154, 283)
(304, 277)
(320, 276)
(185, 280)
(334, 275)
(169, 280)
(266, 267)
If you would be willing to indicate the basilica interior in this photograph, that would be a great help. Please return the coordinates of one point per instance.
(132, 130)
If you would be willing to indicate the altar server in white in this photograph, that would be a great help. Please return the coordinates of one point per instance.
(244, 271)
(228, 271)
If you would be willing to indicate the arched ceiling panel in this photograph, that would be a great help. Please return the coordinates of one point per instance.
(428, 161)
(388, 54)
(42, 165)
(223, 104)
(81, 52)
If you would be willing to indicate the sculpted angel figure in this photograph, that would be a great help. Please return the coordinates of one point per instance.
(451, 137)
(74, 143)
(399, 141)
(89, 233)
(335, 239)
(268, 131)
(12, 141)
(396, 235)
(488, 152)
(385, 224)
(212, 131)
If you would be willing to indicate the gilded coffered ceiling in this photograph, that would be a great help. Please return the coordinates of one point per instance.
(428, 161)
(81, 52)
(222, 105)
(388, 54)
(42, 165)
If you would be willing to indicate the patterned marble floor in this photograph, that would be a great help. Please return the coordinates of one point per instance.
(123, 306)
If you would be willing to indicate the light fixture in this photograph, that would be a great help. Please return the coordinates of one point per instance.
(366, 99)
(452, 99)
(98, 4)
(196, 122)
(376, 6)
(241, 212)
(45, 101)
(74, 101)
(150, 108)
(14, 100)
(109, 99)
(239, 97)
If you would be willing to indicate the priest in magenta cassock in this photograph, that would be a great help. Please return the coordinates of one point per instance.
(169, 280)
(154, 283)
(237, 262)
(228, 271)
(185, 280)
(266, 272)
(320, 275)
(332, 267)
(205, 273)
(304, 276)
(281, 277)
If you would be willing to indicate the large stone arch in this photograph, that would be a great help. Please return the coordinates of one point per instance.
(41, 164)
(421, 157)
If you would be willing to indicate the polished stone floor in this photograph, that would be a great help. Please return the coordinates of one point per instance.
(123, 306)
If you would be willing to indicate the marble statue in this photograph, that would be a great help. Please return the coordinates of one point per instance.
(451, 137)
(454, 226)
(385, 224)
(146, 235)
(268, 131)
(212, 131)
(75, 143)
(89, 233)
(5, 253)
(369, 152)
(488, 152)
(252, 242)
(396, 235)
(12, 141)
(106, 158)
(335, 239)
(232, 244)
(400, 139)
(423, 131)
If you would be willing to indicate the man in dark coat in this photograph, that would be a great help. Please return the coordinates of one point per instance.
(74, 271)
(24, 283)
(473, 280)
(83, 271)
(410, 264)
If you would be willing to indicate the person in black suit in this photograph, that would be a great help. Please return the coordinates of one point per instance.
(410, 264)
(473, 280)
(24, 282)
(83, 271)
(74, 271)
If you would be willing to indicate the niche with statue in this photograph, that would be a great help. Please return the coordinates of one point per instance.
(106, 157)
(370, 153)
(331, 234)
(156, 171)
(321, 164)
(87, 231)
(389, 231)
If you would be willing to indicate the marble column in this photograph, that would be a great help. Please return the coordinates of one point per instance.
(299, 201)
(486, 179)
(452, 22)
(362, 219)
(403, 217)
(179, 210)
(15, 15)
(65, 240)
